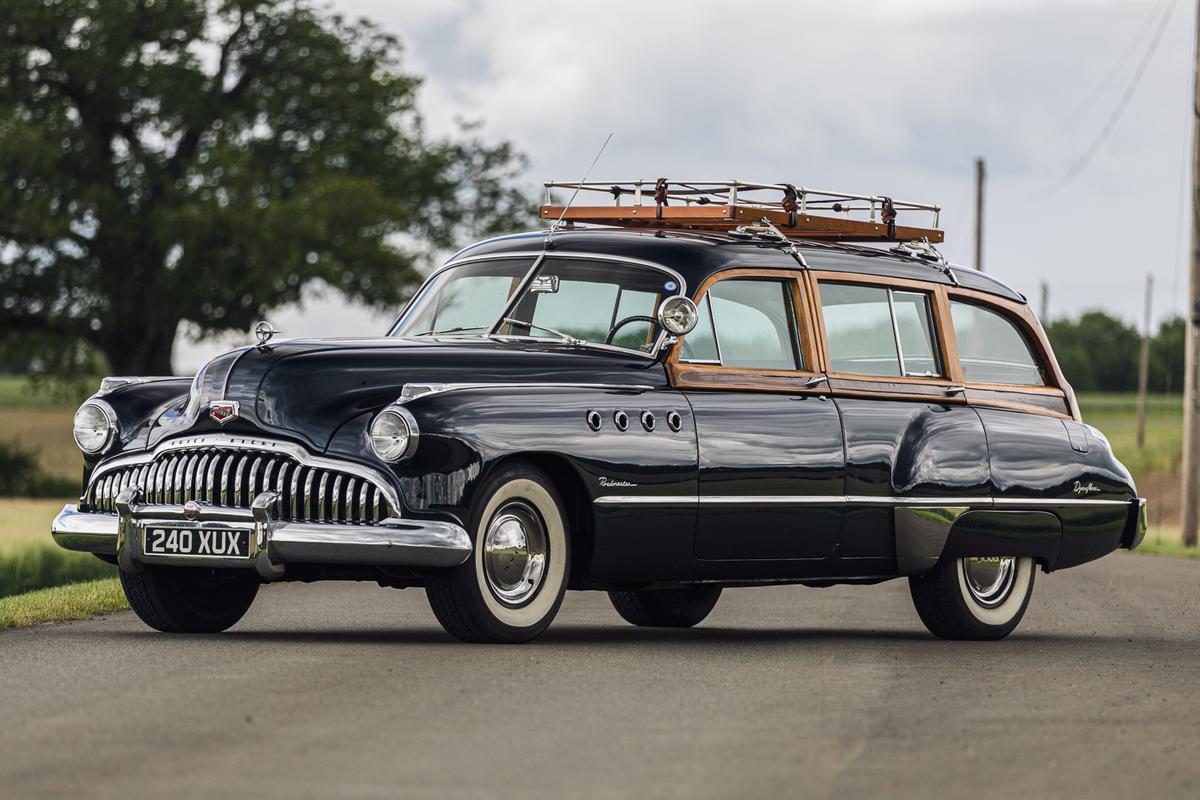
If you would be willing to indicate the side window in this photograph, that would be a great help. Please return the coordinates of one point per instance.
(874, 330)
(992, 349)
(746, 322)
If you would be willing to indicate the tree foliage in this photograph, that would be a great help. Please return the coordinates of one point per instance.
(1099, 352)
(205, 160)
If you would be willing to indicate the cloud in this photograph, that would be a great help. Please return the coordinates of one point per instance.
(870, 96)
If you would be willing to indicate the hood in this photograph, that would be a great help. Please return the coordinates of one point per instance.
(307, 389)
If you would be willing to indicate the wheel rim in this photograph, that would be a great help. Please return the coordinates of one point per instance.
(515, 549)
(989, 580)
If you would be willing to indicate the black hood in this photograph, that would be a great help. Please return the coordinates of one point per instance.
(307, 389)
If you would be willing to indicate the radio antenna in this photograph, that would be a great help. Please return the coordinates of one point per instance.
(558, 222)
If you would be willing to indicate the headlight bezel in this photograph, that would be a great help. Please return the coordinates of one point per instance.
(112, 427)
(396, 453)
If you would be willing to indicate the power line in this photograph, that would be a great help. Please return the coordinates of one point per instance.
(1114, 70)
(1122, 104)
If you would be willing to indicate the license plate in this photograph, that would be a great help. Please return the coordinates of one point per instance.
(199, 542)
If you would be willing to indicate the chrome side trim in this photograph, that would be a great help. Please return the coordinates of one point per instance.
(646, 500)
(231, 442)
(1066, 501)
(408, 395)
(853, 500)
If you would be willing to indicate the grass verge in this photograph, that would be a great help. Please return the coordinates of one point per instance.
(1161, 548)
(77, 601)
(39, 565)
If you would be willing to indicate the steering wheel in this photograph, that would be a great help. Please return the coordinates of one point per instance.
(621, 323)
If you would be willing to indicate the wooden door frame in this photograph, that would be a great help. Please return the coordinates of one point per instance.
(810, 324)
(687, 375)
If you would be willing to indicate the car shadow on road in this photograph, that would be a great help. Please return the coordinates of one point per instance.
(589, 635)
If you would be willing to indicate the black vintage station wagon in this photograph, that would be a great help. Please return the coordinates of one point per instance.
(711, 385)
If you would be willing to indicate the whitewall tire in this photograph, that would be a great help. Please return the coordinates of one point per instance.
(974, 598)
(512, 586)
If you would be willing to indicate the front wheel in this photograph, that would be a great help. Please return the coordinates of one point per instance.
(510, 589)
(187, 599)
(973, 598)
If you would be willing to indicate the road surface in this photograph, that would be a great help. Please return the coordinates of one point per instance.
(345, 690)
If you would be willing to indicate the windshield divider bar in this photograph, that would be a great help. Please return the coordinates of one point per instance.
(518, 293)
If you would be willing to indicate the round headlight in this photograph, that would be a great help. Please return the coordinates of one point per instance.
(393, 434)
(95, 427)
(678, 315)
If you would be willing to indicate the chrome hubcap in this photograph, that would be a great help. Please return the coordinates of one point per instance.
(989, 580)
(515, 548)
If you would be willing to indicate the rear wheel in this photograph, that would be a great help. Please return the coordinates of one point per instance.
(189, 600)
(666, 608)
(974, 598)
(511, 587)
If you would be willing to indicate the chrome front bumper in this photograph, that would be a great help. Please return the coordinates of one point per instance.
(274, 544)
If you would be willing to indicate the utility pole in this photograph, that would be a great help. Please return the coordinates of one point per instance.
(1044, 316)
(1144, 367)
(1191, 390)
(980, 175)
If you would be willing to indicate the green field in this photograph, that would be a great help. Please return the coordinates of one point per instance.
(1116, 415)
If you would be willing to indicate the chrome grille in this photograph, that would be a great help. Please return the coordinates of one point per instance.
(234, 476)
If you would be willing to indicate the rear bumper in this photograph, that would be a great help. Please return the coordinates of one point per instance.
(1135, 525)
(274, 544)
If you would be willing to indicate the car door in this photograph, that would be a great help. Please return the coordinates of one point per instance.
(769, 442)
(912, 442)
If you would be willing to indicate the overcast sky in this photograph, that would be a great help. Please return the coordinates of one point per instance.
(894, 98)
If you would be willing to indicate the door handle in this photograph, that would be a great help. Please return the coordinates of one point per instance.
(953, 390)
(815, 380)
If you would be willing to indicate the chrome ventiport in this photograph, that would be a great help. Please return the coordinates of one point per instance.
(594, 420)
(648, 421)
(674, 421)
(515, 547)
(621, 420)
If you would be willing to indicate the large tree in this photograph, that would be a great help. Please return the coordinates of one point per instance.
(195, 160)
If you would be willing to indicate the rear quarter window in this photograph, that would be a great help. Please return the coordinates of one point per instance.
(992, 349)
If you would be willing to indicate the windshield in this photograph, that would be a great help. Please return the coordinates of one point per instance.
(569, 298)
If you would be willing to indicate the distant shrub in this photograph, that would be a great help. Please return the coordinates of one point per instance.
(20, 475)
(39, 565)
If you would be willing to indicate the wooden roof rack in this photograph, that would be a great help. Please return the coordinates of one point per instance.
(798, 212)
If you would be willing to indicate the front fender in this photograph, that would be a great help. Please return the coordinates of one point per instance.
(466, 432)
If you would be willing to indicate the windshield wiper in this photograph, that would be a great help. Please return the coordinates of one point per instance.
(565, 337)
(459, 329)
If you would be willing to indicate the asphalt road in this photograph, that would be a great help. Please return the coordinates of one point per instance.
(336, 690)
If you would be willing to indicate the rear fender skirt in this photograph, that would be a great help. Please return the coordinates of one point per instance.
(1037, 534)
(926, 534)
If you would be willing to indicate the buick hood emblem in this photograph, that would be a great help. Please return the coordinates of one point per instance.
(223, 411)
(264, 332)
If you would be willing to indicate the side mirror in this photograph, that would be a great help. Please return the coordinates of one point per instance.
(678, 315)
